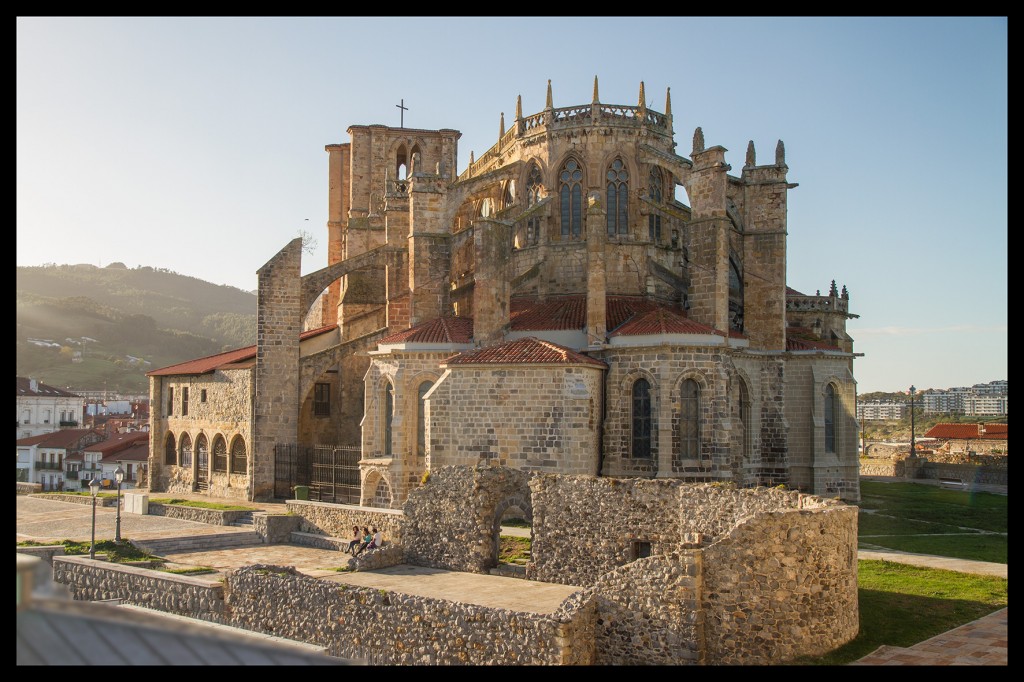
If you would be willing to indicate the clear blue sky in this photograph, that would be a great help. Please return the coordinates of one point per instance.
(197, 144)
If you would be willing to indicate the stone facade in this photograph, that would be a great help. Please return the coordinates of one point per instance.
(581, 228)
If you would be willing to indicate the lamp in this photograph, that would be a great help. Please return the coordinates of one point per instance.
(119, 477)
(912, 451)
(94, 489)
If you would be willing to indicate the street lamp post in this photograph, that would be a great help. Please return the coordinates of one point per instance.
(913, 453)
(94, 488)
(118, 476)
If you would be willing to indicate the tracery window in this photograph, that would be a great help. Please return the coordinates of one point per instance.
(238, 461)
(220, 454)
(389, 414)
(831, 405)
(571, 195)
(689, 420)
(185, 451)
(533, 190)
(618, 198)
(656, 187)
(641, 418)
(735, 296)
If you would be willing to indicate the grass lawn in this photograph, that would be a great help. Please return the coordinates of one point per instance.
(926, 519)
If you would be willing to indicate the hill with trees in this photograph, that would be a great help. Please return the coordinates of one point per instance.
(89, 328)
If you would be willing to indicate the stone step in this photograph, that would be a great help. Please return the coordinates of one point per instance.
(199, 543)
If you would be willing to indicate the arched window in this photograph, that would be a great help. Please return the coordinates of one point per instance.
(238, 460)
(170, 453)
(533, 190)
(831, 406)
(745, 429)
(735, 296)
(618, 198)
(389, 414)
(185, 450)
(641, 441)
(656, 187)
(508, 195)
(570, 192)
(202, 453)
(689, 420)
(220, 454)
(421, 420)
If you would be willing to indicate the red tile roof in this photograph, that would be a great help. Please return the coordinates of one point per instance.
(528, 350)
(214, 362)
(139, 452)
(118, 442)
(661, 321)
(967, 432)
(58, 439)
(438, 330)
(25, 388)
(793, 292)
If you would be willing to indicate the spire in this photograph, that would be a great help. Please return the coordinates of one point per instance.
(470, 157)
(833, 291)
(780, 154)
(643, 98)
(501, 131)
(751, 157)
(668, 102)
(846, 294)
(595, 90)
(698, 140)
(519, 107)
(548, 104)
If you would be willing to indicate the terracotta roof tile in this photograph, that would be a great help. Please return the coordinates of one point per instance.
(118, 442)
(57, 439)
(213, 362)
(968, 431)
(661, 321)
(559, 312)
(527, 350)
(438, 330)
(137, 452)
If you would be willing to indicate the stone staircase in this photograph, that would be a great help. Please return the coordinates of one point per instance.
(199, 543)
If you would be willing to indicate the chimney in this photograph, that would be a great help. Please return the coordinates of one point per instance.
(33, 385)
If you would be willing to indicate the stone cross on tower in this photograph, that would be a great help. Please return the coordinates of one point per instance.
(403, 109)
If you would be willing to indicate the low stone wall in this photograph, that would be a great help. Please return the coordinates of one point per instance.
(214, 517)
(881, 468)
(90, 580)
(389, 628)
(276, 528)
(44, 552)
(25, 488)
(336, 520)
(969, 473)
(79, 499)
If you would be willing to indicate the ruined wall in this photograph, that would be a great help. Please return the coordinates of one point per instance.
(462, 505)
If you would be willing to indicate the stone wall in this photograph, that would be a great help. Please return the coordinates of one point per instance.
(453, 520)
(336, 520)
(94, 580)
(213, 517)
(79, 499)
(24, 488)
(780, 585)
(390, 628)
(532, 417)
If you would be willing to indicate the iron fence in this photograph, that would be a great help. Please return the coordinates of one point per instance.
(331, 472)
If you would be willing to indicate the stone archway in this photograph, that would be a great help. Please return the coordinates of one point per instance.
(515, 506)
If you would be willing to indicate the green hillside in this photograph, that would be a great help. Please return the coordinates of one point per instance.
(90, 328)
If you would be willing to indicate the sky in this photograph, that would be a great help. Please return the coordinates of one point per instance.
(197, 144)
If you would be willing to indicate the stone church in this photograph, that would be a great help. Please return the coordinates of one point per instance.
(582, 298)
